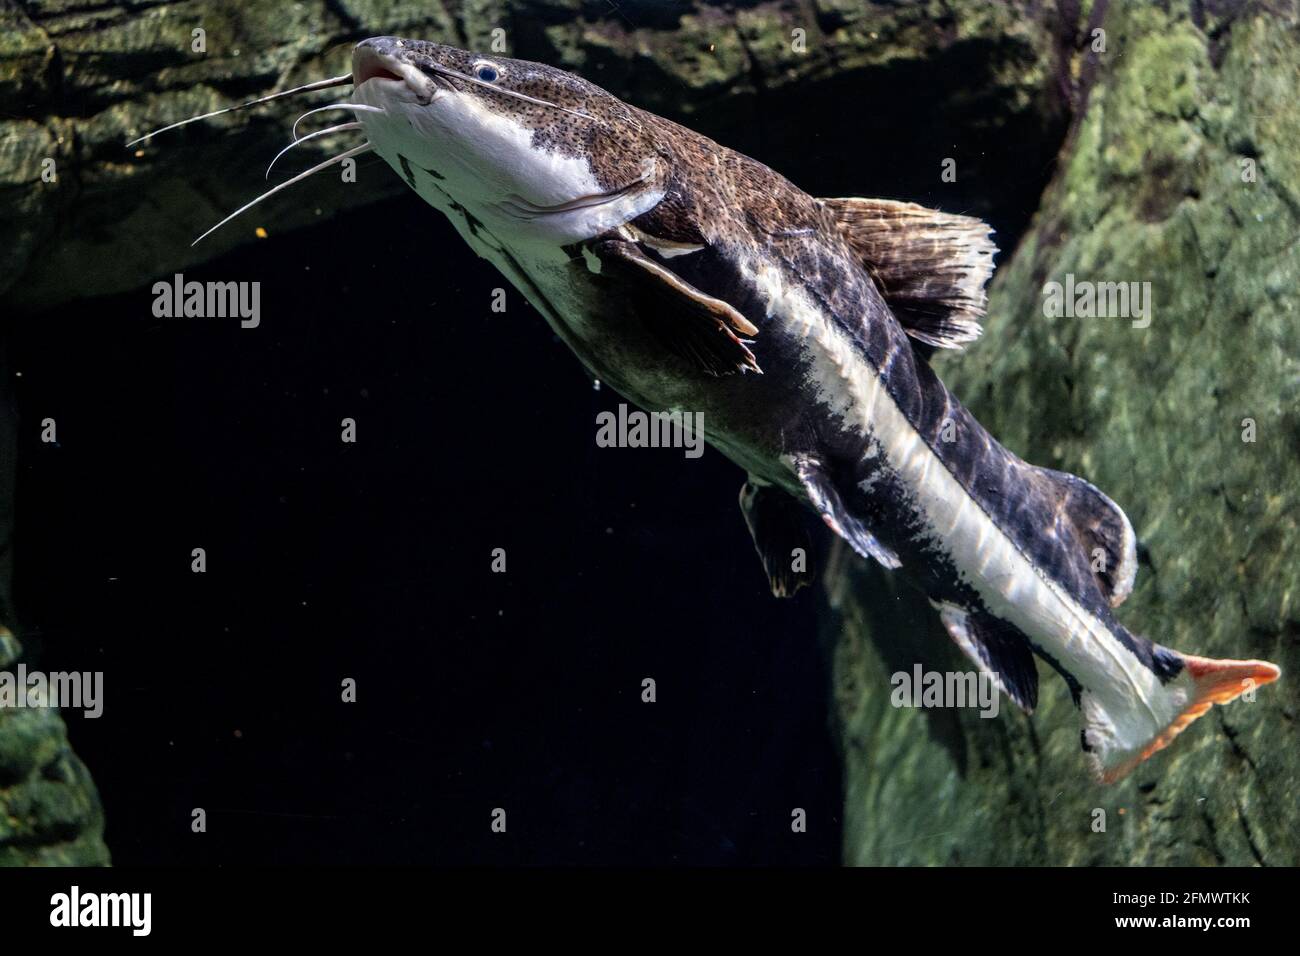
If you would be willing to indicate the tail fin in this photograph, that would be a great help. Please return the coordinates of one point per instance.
(1201, 683)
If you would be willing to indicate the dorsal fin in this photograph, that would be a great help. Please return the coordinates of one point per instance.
(1102, 528)
(930, 266)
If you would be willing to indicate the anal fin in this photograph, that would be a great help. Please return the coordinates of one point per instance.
(825, 498)
(775, 523)
(998, 649)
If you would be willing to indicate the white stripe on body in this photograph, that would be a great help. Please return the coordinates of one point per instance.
(1129, 704)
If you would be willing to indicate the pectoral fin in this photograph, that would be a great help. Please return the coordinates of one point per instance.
(690, 323)
(775, 522)
(825, 499)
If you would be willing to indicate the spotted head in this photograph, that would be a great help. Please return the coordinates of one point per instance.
(524, 145)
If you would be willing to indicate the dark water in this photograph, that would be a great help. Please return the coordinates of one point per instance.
(372, 561)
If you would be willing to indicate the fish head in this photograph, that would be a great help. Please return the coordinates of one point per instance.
(526, 147)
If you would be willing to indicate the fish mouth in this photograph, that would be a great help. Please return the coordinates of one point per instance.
(379, 61)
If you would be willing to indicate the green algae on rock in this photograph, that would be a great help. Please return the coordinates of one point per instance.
(1181, 171)
(50, 813)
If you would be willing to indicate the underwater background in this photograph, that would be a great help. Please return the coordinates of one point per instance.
(1119, 160)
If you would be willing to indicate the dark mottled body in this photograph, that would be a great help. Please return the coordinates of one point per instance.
(738, 207)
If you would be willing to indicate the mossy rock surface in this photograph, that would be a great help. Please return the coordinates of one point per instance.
(50, 813)
(1182, 171)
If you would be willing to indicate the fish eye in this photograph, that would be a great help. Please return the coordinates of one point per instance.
(487, 72)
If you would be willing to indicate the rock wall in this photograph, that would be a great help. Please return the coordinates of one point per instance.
(49, 810)
(80, 78)
(1182, 170)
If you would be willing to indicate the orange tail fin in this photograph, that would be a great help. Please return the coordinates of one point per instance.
(1211, 682)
